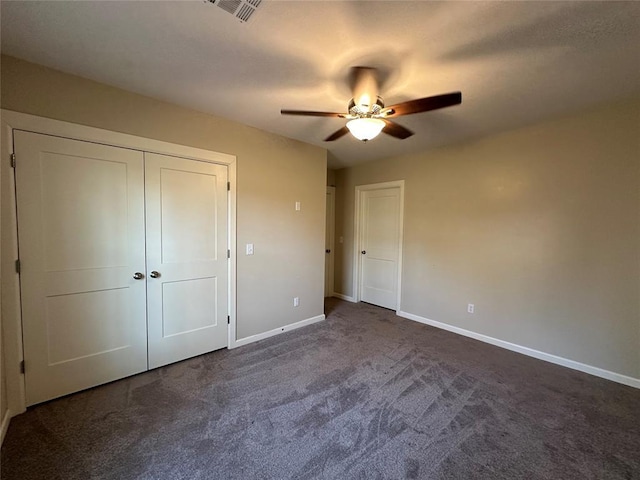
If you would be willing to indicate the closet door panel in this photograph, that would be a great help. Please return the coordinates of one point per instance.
(186, 225)
(81, 239)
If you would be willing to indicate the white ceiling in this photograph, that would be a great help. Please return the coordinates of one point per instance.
(516, 63)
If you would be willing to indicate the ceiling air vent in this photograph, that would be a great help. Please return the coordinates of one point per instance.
(242, 9)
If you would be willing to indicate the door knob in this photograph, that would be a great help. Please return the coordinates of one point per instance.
(154, 274)
(327, 251)
(138, 276)
(364, 252)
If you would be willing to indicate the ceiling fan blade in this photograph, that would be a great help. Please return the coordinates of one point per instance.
(395, 130)
(307, 113)
(337, 134)
(425, 104)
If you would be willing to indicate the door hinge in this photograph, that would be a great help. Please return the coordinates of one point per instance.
(228, 253)
(13, 160)
(228, 186)
(228, 319)
(22, 366)
(18, 266)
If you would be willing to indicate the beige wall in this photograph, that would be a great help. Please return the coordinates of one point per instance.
(539, 228)
(273, 173)
(3, 387)
(3, 376)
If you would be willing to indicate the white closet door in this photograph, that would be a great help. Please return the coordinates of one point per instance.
(81, 239)
(186, 205)
(380, 246)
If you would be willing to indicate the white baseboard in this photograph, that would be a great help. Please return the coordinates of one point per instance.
(5, 425)
(565, 362)
(344, 297)
(276, 331)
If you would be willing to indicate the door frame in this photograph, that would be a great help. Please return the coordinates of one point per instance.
(10, 318)
(331, 216)
(357, 232)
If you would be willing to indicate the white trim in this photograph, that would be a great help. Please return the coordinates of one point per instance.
(277, 331)
(10, 285)
(5, 425)
(344, 297)
(547, 357)
(360, 189)
(11, 318)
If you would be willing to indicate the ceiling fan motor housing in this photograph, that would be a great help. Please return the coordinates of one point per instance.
(374, 110)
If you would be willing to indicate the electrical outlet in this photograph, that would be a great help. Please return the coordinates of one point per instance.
(296, 301)
(471, 308)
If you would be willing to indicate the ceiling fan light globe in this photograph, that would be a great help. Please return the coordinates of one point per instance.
(365, 128)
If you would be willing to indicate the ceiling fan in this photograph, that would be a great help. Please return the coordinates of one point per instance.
(367, 114)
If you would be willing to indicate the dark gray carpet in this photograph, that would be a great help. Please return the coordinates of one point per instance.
(363, 395)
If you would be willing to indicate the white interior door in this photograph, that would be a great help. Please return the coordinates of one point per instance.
(329, 242)
(187, 248)
(380, 246)
(81, 239)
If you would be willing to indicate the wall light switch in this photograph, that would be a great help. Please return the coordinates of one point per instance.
(249, 248)
(297, 206)
(296, 301)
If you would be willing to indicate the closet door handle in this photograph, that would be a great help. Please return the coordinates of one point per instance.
(364, 252)
(154, 274)
(138, 276)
